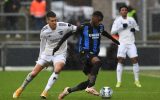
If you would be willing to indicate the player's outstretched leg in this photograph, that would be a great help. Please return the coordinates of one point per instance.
(27, 80)
(18, 92)
(63, 94)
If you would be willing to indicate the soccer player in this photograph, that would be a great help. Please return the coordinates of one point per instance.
(126, 27)
(89, 46)
(50, 35)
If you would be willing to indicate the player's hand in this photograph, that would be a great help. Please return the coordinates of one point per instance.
(133, 30)
(125, 25)
(55, 49)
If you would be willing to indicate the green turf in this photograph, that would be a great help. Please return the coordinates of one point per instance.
(9, 81)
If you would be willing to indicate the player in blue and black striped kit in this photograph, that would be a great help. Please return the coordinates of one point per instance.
(89, 47)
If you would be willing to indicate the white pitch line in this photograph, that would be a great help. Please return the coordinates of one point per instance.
(150, 75)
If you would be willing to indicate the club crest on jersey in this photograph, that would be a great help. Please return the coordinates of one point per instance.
(60, 32)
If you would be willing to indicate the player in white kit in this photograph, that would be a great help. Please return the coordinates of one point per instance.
(50, 35)
(126, 27)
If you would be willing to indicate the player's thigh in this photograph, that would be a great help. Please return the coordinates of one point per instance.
(44, 60)
(122, 50)
(132, 51)
(59, 62)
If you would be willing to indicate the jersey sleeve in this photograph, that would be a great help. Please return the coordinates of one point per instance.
(69, 27)
(42, 45)
(72, 28)
(43, 40)
(43, 32)
(135, 25)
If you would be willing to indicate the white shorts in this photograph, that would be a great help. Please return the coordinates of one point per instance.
(46, 60)
(127, 49)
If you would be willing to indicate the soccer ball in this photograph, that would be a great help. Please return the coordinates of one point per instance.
(106, 92)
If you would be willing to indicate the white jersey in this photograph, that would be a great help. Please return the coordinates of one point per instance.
(125, 35)
(50, 38)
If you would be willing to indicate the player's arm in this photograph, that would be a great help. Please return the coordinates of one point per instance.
(42, 43)
(106, 34)
(64, 38)
(135, 26)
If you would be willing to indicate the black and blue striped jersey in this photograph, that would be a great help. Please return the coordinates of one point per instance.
(90, 38)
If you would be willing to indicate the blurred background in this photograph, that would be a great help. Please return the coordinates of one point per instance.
(20, 29)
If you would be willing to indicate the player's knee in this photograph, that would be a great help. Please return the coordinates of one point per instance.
(98, 63)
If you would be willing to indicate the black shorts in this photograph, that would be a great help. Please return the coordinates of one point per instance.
(86, 61)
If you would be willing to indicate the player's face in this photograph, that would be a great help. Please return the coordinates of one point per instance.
(124, 12)
(95, 20)
(52, 21)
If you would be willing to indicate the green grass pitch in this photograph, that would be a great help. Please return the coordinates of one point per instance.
(11, 80)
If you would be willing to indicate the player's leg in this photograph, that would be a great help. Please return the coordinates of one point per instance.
(41, 63)
(119, 71)
(27, 80)
(96, 64)
(121, 55)
(132, 53)
(59, 62)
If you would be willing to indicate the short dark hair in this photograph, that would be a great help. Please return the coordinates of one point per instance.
(123, 6)
(99, 14)
(50, 14)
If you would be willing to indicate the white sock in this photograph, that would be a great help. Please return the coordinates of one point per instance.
(119, 71)
(51, 81)
(136, 71)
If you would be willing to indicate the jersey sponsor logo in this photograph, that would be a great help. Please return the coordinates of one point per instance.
(94, 36)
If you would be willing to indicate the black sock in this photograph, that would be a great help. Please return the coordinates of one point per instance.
(81, 86)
